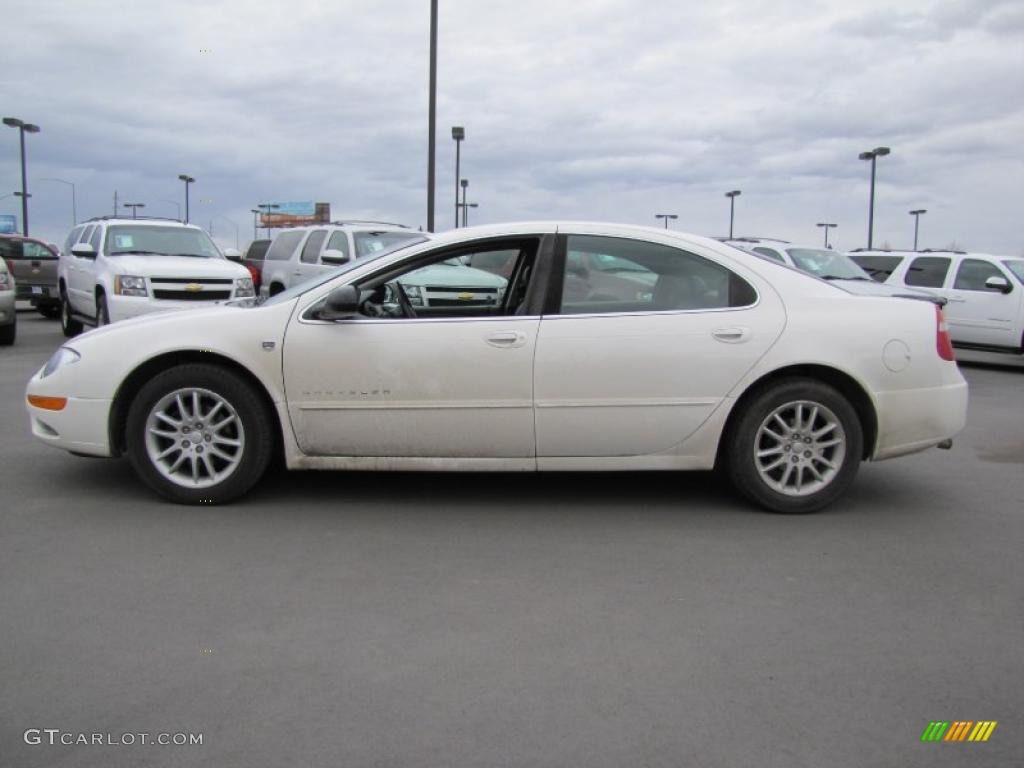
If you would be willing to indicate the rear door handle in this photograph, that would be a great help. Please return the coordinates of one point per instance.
(506, 339)
(733, 335)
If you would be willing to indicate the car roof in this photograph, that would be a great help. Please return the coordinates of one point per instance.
(148, 221)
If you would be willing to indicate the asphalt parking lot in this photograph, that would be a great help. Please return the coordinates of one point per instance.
(510, 620)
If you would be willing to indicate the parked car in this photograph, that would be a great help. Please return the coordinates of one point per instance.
(253, 260)
(8, 310)
(33, 264)
(113, 268)
(304, 252)
(984, 293)
(785, 381)
(828, 265)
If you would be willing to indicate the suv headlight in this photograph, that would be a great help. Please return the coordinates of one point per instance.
(414, 293)
(5, 281)
(63, 356)
(130, 285)
(243, 288)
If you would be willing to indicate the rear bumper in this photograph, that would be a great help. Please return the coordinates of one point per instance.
(38, 294)
(916, 419)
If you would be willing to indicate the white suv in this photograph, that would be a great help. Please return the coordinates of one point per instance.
(984, 293)
(301, 253)
(112, 268)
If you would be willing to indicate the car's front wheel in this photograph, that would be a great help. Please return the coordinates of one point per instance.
(796, 447)
(68, 324)
(199, 433)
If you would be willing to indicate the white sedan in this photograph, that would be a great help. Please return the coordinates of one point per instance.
(611, 348)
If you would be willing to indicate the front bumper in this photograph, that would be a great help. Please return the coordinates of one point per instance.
(916, 419)
(124, 307)
(81, 426)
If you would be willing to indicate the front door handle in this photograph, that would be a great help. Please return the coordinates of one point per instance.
(733, 335)
(506, 339)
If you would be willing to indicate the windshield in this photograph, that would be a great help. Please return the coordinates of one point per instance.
(379, 243)
(1017, 267)
(300, 288)
(826, 264)
(160, 241)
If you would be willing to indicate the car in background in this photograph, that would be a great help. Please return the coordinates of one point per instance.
(785, 382)
(984, 293)
(300, 253)
(8, 310)
(113, 268)
(33, 264)
(253, 260)
(826, 264)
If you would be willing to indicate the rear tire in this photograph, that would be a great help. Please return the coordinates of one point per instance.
(68, 324)
(796, 447)
(8, 333)
(199, 434)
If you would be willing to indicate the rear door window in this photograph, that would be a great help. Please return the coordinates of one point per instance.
(284, 245)
(96, 239)
(72, 239)
(311, 250)
(339, 242)
(770, 253)
(927, 271)
(973, 273)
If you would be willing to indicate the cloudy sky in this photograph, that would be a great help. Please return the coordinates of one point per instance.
(593, 109)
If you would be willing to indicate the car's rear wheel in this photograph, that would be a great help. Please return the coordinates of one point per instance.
(199, 433)
(796, 447)
(68, 324)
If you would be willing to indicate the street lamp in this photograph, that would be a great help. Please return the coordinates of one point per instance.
(917, 220)
(458, 133)
(666, 217)
(23, 128)
(175, 203)
(826, 226)
(134, 207)
(732, 207)
(873, 155)
(188, 180)
(74, 211)
(465, 212)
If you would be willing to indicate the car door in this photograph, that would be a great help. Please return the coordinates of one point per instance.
(308, 263)
(636, 377)
(977, 314)
(455, 384)
(80, 272)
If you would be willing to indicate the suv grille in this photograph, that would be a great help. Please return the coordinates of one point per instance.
(184, 288)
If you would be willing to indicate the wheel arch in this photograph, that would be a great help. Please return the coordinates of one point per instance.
(135, 380)
(847, 386)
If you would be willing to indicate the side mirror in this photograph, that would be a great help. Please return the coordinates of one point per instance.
(232, 254)
(996, 283)
(333, 257)
(341, 303)
(83, 251)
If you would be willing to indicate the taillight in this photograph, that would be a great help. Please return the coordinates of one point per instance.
(943, 343)
(256, 276)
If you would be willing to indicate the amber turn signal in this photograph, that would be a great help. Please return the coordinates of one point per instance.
(48, 403)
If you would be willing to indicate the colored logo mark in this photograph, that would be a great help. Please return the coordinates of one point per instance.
(959, 730)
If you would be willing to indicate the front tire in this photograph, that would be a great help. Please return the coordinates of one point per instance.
(68, 324)
(102, 311)
(199, 434)
(796, 447)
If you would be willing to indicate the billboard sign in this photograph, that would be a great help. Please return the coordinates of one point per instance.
(8, 224)
(295, 214)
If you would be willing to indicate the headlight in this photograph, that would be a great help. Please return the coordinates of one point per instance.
(63, 356)
(130, 285)
(5, 281)
(243, 288)
(414, 293)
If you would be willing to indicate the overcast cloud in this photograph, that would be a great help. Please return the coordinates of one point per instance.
(601, 109)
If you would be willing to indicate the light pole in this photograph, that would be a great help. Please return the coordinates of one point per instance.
(826, 226)
(175, 203)
(458, 133)
(188, 180)
(666, 217)
(732, 208)
(23, 128)
(464, 183)
(134, 207)
(873, 155)
(917, 220)
(233, 224)
(432, 116)
(267, 208)
(255, 212)
(465, 212)
(74, 211)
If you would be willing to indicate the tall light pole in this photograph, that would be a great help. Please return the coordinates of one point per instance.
(464, 183)
(465, 212)
(175, 203)
(255, 212)
(917, 220)
(134, 207)
(732, 208)
(23, 128)
(459, 134)
(432, 117)
(826, 226)
(873, 155)
(74, 211)
(666, 217)
(188, 180)
(267, 208)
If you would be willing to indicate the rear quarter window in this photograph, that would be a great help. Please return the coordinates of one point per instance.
(878, 267)
(284, 245)
(927, 271)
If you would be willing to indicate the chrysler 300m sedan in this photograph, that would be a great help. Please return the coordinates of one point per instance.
(610, 348)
